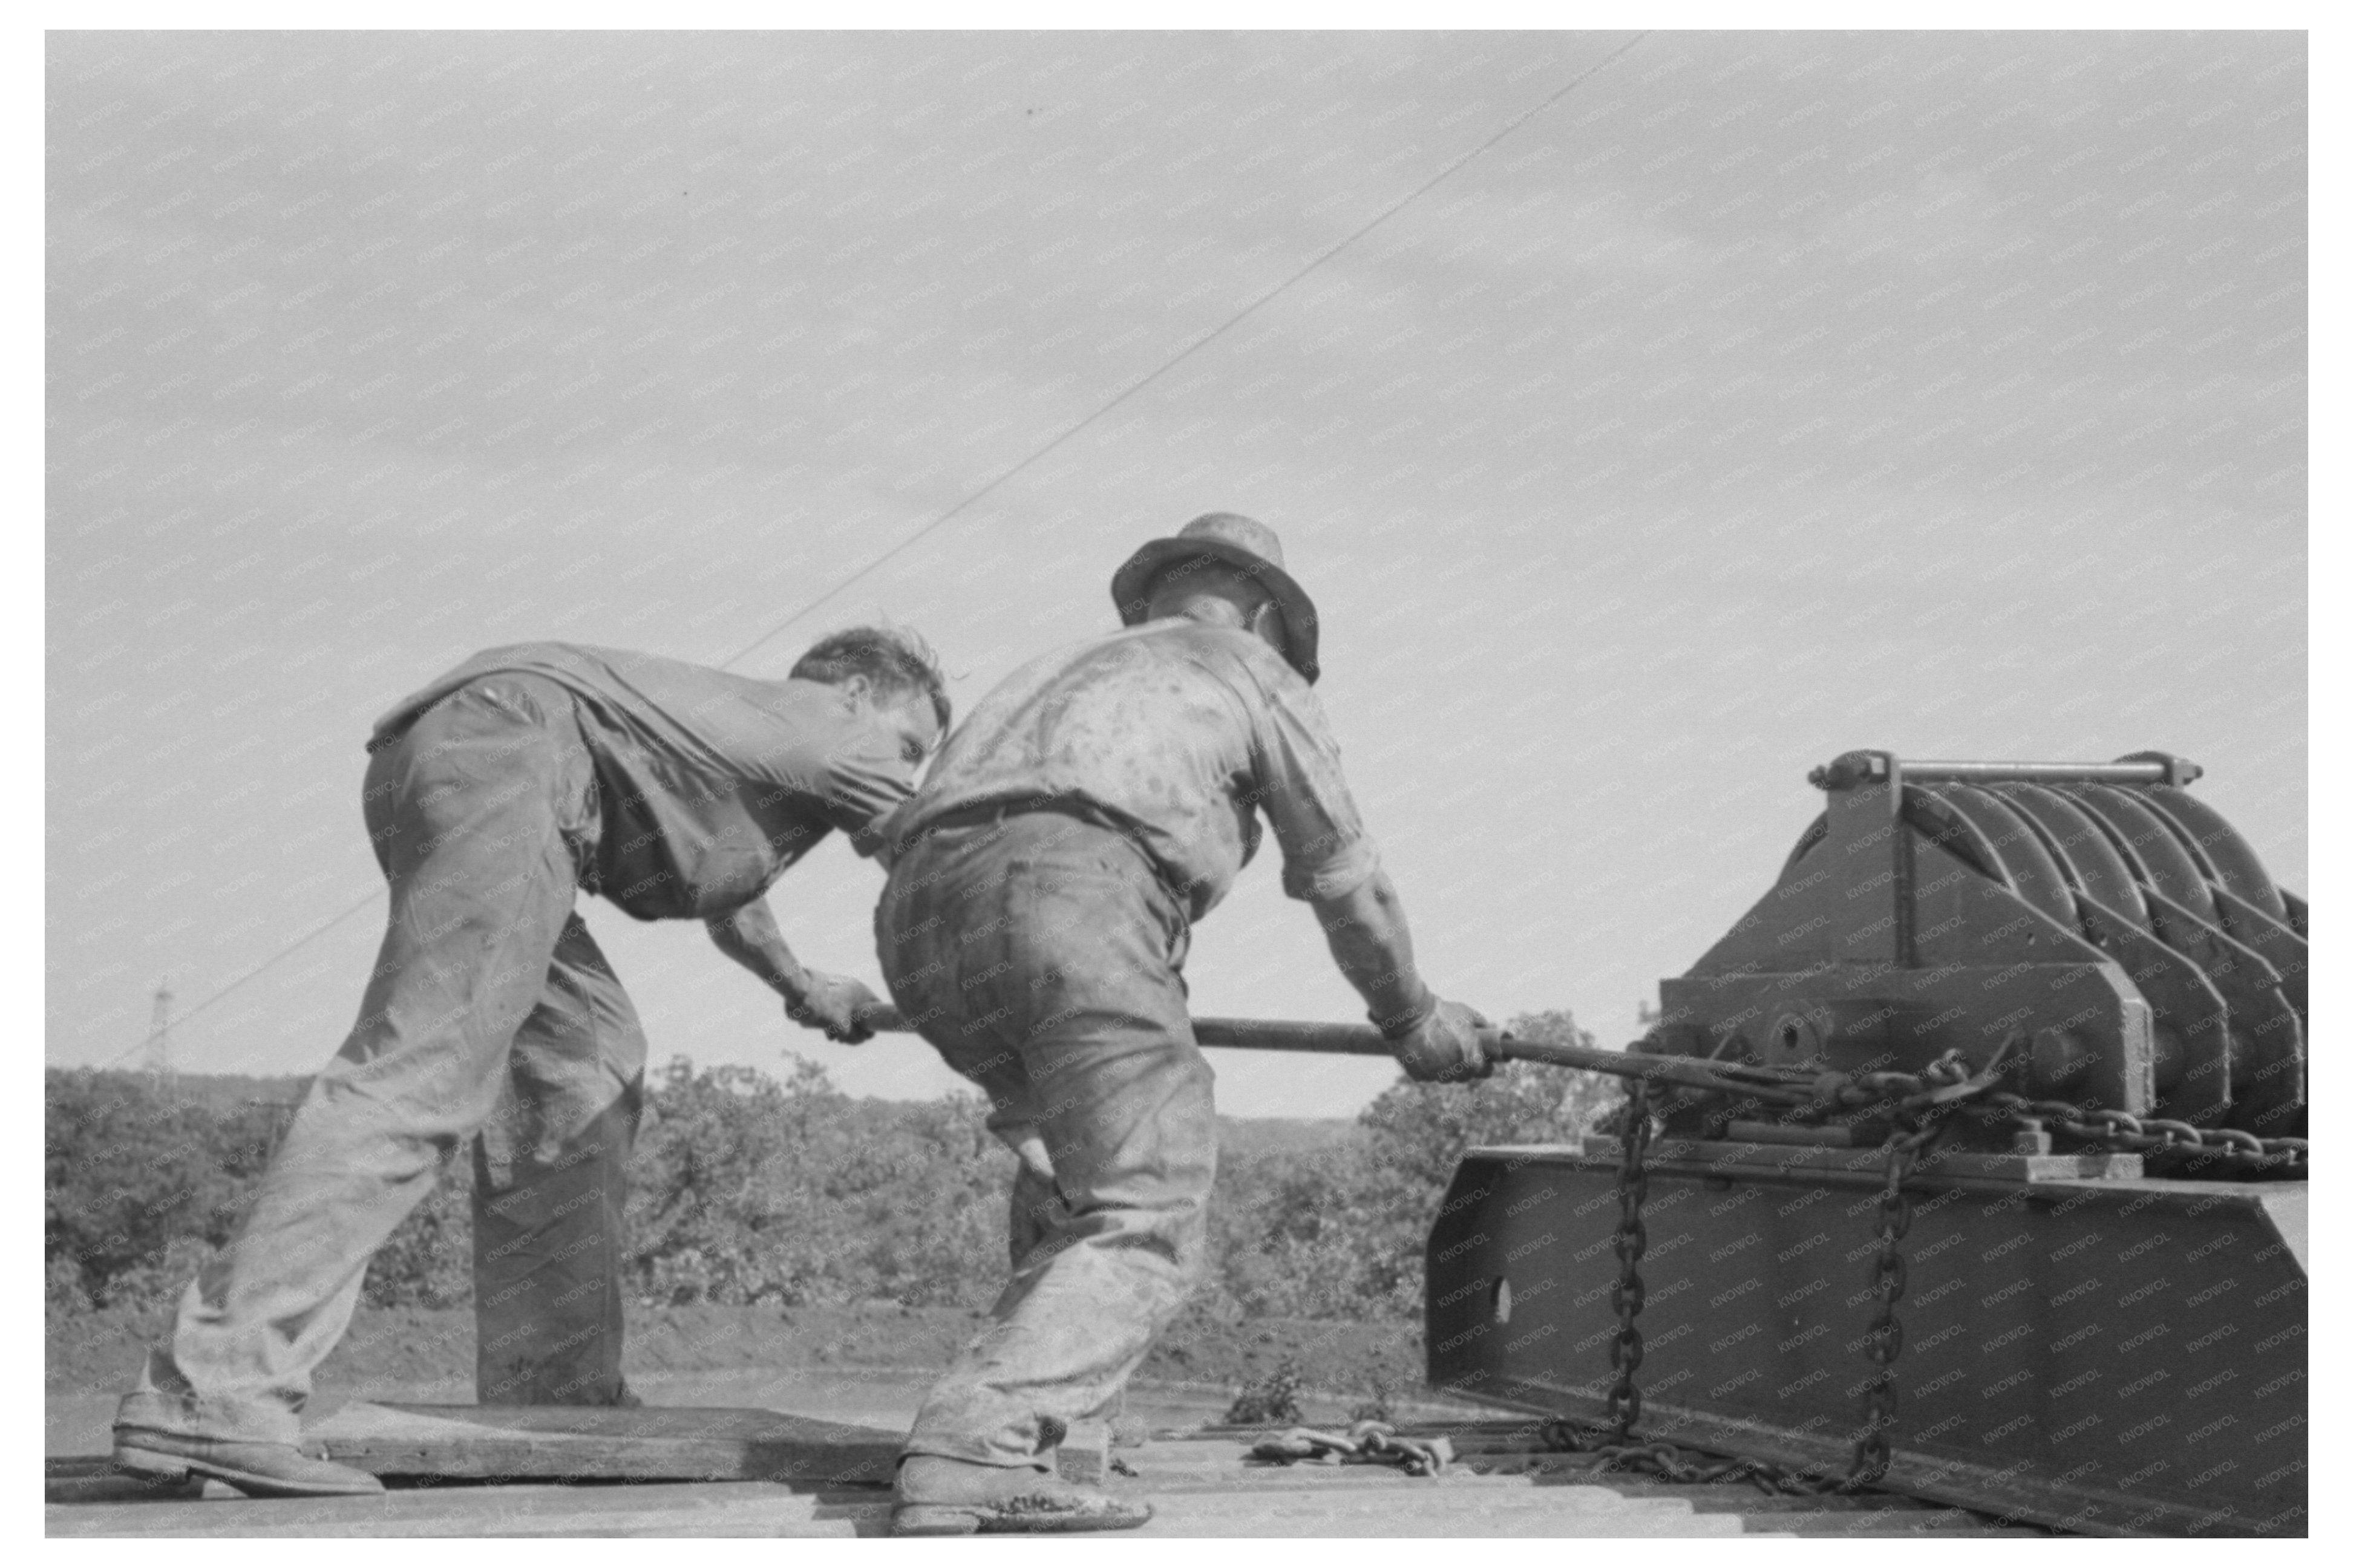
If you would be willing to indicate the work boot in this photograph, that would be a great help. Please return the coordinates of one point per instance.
(257, 1469)
(956, 1497)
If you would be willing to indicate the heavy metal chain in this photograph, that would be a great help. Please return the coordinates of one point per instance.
(1883, 1341)
(1617, 1446)
(1626, 1295)
(2200, 1148)
(1945, 1087)
(1809, 1095)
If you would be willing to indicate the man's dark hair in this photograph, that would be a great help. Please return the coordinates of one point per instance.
(893, 659)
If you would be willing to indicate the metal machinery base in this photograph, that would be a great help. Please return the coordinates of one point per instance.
(2083, 1347)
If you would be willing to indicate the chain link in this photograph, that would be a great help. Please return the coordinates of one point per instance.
(1615, 1445)
(1630, 1242)
(2176, 1144)
(1810, 1096)
(1883, 1341)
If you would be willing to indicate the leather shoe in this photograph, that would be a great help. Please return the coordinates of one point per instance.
(954, 1497)
(257, 1469)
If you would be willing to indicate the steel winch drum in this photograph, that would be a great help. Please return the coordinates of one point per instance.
(2101, 911)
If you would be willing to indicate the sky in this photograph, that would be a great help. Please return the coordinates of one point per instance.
(1644, 440)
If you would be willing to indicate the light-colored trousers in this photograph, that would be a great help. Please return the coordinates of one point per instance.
(490, 1012)
(1040, 955)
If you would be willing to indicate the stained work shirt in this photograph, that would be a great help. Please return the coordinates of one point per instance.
(1176, 734)
(708, 786)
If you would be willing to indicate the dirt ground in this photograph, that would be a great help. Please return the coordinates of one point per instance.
(417, 1347)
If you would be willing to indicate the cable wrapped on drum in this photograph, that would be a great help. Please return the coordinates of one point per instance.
(2149, 845)
(2081, 848)
(2190, 1022)
(2267, 1033)
(2027, 866)
(2229, 859)
(2247, 903)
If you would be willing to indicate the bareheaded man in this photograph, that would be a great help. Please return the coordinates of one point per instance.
(1043, 889)
(492, 796)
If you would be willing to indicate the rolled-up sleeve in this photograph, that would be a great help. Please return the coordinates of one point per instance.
(1327, 853)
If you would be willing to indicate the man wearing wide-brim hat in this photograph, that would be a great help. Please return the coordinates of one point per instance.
(1044, 886)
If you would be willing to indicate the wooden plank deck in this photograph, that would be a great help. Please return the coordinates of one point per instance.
(1199, 1486)
(650, 1443)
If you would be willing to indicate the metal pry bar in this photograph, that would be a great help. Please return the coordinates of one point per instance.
(1364, 1041)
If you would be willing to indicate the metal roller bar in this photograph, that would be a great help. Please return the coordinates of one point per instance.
(2131, 773)
(1853, 769)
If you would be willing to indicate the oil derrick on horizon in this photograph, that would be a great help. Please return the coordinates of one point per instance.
(155, 1053)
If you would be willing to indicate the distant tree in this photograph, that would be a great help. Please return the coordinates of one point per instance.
(700, 1216)
(130, 1171)
(748, 1189)
(1422, 1131)
(1339, 1232)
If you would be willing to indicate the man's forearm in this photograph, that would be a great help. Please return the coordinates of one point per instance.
(1367, 931)
(750, 937)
